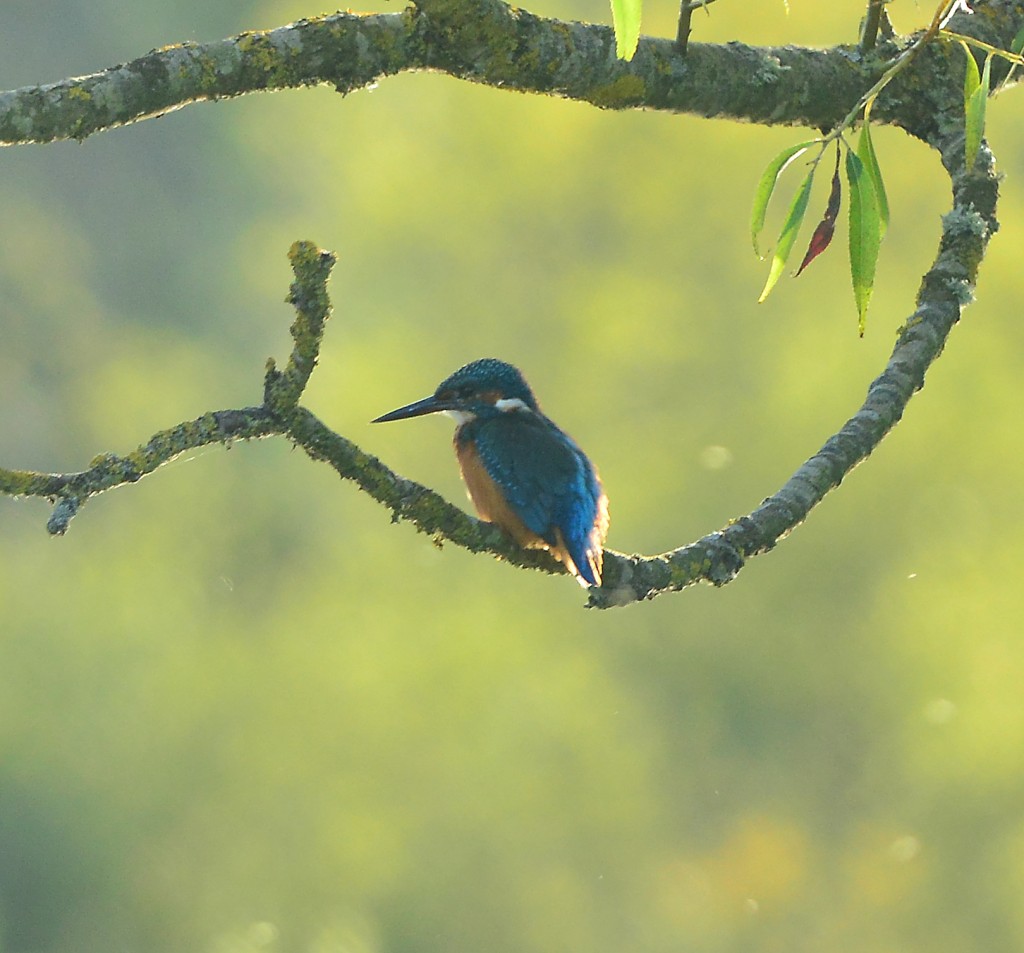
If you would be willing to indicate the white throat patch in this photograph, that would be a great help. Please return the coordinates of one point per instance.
(510, 403)
(460, 416)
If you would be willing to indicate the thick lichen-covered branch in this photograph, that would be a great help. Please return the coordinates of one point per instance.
(489, 42)
(484, 41)
(346, 50)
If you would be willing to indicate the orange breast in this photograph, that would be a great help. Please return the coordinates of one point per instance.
(488, 499)
(491, 505)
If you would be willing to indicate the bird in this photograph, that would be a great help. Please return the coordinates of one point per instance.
(523, 472)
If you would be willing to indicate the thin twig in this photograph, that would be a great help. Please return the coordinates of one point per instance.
(872, 20)
(686, 8)
(885, 25)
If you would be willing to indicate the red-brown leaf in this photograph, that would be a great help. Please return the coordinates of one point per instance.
(822, 236)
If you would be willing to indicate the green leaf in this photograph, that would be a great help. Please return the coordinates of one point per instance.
(766, 187)
(626, 21)
(972, 79)
(866, 154)
(974, 114)
(865, 234)
(787, 236)
(1018, 42)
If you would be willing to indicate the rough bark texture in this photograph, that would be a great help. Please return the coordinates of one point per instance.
(485, 41)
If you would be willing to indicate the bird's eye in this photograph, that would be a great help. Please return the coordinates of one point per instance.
(460, 392)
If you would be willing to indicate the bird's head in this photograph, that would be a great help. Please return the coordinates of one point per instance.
(484, 386)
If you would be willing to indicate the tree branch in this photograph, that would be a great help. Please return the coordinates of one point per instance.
(872, 21)
(107, 471)
(484, 41)
(279, 415)
(716, 558)
(683, 31)
(282, 390)
(946, 288)
(516, 49)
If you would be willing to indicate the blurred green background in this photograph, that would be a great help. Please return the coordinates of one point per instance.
(240, 710)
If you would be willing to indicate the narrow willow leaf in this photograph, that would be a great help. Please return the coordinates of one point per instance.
(972, 78)
(866, 154)
(626, 21)
(766, 187)
(1016, 47)
(1018, 42)
(865, 235)
(974, 115)
(822, 236)
(787, 236)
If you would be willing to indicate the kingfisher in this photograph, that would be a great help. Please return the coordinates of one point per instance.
(523, 472)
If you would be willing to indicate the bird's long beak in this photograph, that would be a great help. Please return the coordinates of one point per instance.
(429, 405)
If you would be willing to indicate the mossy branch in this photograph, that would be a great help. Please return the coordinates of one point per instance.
(716, 558)
(108, 470)
(505, 47)
(483, 41)
(278, 415)
(946, 288)
(282, 389)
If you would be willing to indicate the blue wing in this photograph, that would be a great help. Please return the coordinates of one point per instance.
(547, 481)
